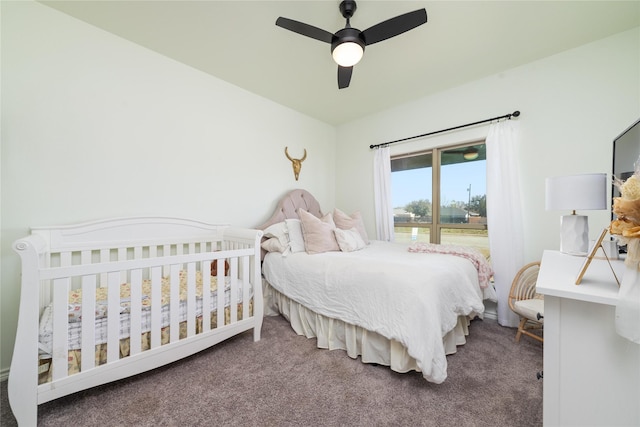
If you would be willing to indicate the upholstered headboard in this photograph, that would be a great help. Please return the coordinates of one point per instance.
(290, 203)
(288, 208)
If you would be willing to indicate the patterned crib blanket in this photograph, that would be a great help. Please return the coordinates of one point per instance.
(75, 310)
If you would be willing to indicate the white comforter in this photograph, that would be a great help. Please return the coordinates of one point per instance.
(413, 298)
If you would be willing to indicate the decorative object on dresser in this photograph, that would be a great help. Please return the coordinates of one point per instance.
(105, 300)
(573, 192)
(627, 230)
(592, 254)
(526, 302)
(296, 163)
(374, 299)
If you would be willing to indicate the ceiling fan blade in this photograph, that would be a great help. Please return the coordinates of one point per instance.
(394, 26)
(344, 76)
(304, 29)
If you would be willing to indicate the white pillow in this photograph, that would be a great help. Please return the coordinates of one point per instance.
(349, 240)
(296, 239)
(273, 245)
(279, 231)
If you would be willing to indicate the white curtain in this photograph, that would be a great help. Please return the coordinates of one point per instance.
(382, 190)
(504, 213)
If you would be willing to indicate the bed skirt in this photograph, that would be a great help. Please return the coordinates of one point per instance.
(333, 334)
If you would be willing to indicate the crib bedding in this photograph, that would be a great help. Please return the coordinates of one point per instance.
(45, 342)
(74, 359)
(101, 323)
(415, 299)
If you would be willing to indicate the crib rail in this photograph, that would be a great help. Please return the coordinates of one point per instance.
(55, 262)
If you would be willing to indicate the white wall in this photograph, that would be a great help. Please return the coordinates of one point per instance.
(573, 105)
(94, 126)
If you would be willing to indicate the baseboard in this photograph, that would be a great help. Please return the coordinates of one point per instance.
(490, 310)
(491, 315)
(4, 374)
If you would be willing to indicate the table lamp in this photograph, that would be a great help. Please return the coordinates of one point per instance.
(576, 192)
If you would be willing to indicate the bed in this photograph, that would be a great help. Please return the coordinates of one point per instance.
(105, 300)
(405, 306)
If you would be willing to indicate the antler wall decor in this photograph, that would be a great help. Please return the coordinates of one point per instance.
(296, 163)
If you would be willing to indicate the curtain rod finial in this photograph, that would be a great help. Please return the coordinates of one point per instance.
(516, 113)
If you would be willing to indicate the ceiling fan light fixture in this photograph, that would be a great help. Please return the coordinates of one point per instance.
(347, 44)
(347, 54)
(470, 154)
(347, 47)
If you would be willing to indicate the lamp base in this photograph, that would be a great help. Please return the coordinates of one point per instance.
(574, 234)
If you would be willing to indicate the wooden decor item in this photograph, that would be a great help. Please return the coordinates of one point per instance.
(591, 254)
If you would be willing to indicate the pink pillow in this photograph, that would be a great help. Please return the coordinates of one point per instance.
(347, 222)
(318, 233)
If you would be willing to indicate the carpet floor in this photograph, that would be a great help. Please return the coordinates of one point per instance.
(284, 380)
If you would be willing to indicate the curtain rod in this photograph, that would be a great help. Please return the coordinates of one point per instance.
(506, 116)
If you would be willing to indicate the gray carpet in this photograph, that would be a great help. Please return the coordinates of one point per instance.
(284, 380)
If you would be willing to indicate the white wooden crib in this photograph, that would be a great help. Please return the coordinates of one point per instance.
(117, 270)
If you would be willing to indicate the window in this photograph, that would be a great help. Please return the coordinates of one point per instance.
(439, 196)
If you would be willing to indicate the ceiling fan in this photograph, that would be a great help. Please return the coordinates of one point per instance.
(347, 44)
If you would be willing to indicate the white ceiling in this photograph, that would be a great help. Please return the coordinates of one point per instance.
(238, 41)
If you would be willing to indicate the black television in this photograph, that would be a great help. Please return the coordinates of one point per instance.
(626, 158)
(626, 152)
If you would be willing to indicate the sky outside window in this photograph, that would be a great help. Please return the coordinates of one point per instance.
(415, 184)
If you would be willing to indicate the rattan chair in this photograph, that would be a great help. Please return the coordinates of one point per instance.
(526, 302)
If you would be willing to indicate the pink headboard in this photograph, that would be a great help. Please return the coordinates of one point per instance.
(287, 208)
(289, 204)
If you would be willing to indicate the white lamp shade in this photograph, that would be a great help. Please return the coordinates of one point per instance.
(577, 192)
(347, 54)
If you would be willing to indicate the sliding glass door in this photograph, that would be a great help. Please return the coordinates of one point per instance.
(439, 196)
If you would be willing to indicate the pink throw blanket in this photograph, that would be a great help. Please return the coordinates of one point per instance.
(479, 261)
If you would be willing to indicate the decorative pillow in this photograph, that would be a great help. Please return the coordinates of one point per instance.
(347, 222)
(296, 239)
(318, 233)
(349, 240)
(279, 231)
(273, 245)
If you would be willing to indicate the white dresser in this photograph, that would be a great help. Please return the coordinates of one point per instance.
(591, 374)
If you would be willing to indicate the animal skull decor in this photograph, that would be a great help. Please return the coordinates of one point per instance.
(296, 163)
